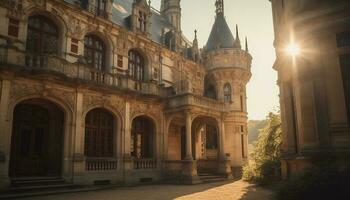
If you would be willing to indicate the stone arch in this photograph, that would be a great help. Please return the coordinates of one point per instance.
(144, 144)
(57, 19)
(118, 124)
(200, 125)
(66, 129)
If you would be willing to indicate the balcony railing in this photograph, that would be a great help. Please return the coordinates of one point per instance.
(145, 164)
(75, 71)
(200, 101)
(100, 164)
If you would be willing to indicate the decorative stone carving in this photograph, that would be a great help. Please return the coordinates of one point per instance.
(94, 100)
(20, 90)
(148, 109)
(23, 89)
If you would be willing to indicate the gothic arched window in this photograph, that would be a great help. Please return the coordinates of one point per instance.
(99, 133)
(136, 65)
(42, 37)
(94, 52)
(227, 92)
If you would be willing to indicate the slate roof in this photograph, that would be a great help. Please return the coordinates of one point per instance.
(122, 10)
(220, 35)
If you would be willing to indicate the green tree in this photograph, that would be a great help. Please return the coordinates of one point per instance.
(264, 165)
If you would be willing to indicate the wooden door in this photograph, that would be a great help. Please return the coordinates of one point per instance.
(29, 141)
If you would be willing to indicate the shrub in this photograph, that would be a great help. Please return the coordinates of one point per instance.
(264, 165)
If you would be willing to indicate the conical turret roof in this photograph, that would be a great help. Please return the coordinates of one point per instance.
(220, 35)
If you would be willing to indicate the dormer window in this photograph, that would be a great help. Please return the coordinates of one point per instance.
(97, 7)
(101, 8)
(142, 21)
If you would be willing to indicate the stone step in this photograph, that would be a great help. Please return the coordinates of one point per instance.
(35, 182)
(210, 178)
(49, 192)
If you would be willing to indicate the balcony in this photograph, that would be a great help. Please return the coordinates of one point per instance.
(74, 72)
(196, 100)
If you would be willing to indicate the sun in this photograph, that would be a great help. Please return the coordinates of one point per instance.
(293, 49)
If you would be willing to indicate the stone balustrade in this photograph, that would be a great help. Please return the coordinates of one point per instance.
(75, 71)
(200, 101)
(145, 163)
(100, 164)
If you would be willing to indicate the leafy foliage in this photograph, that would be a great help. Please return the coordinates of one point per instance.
(264, 166)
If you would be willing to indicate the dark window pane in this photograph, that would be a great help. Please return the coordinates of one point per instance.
(42, 36)
(94, 52)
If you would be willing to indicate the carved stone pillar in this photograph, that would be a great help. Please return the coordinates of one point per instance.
(188, 135)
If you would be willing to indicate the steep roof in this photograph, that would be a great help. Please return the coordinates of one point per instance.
(220, 35)
(122, 10)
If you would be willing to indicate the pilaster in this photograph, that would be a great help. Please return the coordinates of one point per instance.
(78, 155)
(5, 135)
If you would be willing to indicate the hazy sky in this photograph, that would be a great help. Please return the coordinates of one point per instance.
(254, 19)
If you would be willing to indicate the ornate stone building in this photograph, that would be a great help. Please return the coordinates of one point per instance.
(102, 91)
(314, 85)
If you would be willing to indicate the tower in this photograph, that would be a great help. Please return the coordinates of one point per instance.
(171, 9)
(227, 73)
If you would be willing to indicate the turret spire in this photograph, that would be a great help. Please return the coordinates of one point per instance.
(246, 45)
(237, 41)
(219, 7)
(195, 41)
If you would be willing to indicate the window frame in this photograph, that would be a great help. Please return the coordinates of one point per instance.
(94, 50)
(98, 137)
(136, 66)
(227, 94)
(40, 45)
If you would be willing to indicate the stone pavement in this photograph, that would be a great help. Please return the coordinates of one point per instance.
(238, 190)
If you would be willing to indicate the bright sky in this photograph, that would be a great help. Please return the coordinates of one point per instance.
(254, 19)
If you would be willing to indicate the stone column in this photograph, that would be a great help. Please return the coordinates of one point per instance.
(189, 172)
(224, 163)
(5, 135)
(78, 155)
(188, 136)
(127, 163)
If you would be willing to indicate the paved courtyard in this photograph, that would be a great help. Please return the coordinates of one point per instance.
(238, 190)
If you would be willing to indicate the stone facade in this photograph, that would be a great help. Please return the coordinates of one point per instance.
(171, 94)
(313, 84)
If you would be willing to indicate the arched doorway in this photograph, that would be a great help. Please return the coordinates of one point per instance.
(37, 139)
(205, 143)
(142, 138)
